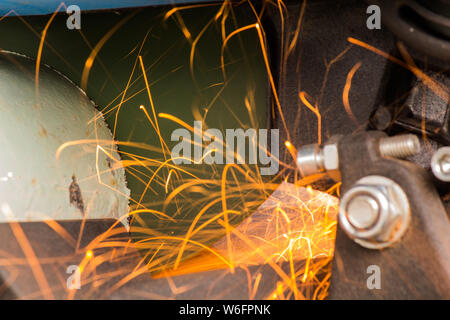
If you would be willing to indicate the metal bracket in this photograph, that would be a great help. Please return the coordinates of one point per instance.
(416, 267)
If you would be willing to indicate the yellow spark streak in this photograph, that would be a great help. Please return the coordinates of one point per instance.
(176, 120)
(297, 30)
(224, 208)
(222, 9)
(194, 44)
(255, 286)
(98, 171)
(435, 86)
(274, 266)
(292, 268)
(316, 112)
(345, 93)
(39, 55)
(158, 213)
(305, 275)
(90, 60)
(61, 231)
(27, 249)
(105, 142)
(266, 61)
(142, 245)
(153, 107)
(291, 149)
(185, 125)
(164, 164)
(148, 116)
(186, 185)
(128, 85)
(251, 26)
(272, 82)
(168, 179)
(190, 232)
(176, 9)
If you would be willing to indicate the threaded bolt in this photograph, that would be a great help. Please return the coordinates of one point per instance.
(314, 158)
(401, 146)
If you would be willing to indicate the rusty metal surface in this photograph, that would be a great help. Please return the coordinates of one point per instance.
(55, 254)
(116, 270)
(53, 251)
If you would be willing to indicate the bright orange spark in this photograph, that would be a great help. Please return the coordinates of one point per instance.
(435, 86)
(89, 254)
(345, 93)
(302, 96)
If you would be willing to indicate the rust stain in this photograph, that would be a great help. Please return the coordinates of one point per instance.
(43, 132)
(75, 196)
(110, 164)
(113, 182)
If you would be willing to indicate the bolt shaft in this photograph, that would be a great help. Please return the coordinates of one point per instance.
(401, 146)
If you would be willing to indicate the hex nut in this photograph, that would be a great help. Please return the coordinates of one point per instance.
(375, 212)
(331, 156)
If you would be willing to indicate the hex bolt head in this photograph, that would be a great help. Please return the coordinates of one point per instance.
(440, 164)
(362, 211)
(375, 212)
